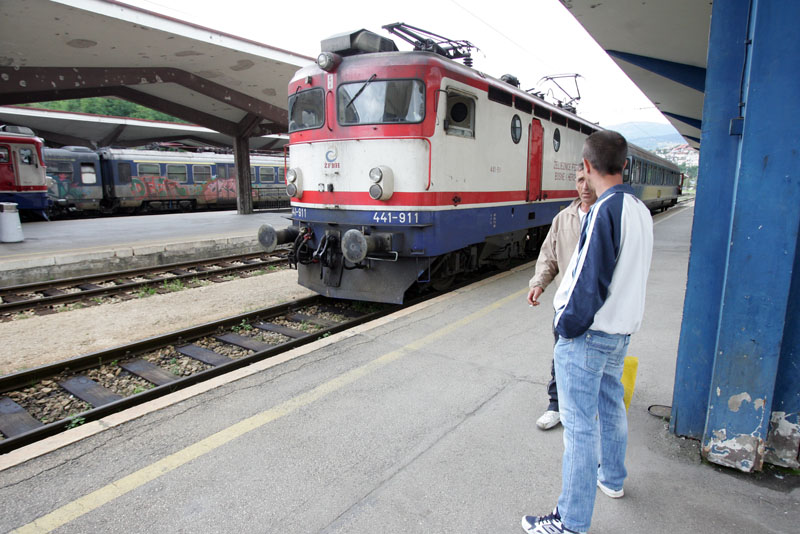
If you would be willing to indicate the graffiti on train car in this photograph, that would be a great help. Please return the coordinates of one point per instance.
(154, 187)
(61, 186)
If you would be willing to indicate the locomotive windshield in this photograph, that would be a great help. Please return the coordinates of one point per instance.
(381, 102)
(306, 110)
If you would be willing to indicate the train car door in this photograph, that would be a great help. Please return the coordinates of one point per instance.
(535, 152)
(28, 171)
(7, 176)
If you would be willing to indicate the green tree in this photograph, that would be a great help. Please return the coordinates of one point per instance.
(114, 107)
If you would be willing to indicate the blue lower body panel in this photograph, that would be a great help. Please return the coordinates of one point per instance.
(418, 238)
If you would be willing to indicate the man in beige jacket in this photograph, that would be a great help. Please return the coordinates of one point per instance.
(553, 258)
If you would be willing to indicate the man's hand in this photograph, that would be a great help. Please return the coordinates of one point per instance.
(533, 295)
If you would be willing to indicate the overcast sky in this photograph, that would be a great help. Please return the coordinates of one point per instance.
(529, 39)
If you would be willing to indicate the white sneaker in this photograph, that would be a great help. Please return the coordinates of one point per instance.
(614, 494)
(548, 420)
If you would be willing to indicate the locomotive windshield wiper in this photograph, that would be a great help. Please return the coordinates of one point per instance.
(361, 90)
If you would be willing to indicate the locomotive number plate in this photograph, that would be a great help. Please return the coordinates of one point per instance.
(395, 217)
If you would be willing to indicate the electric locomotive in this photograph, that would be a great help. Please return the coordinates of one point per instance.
(22, 170)
(408, 167)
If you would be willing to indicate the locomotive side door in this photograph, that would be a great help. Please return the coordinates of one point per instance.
(535, 152)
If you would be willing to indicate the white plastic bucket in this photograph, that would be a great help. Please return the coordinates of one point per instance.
(10, 225)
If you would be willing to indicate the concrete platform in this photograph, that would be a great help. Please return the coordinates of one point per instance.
(64, 248)
(421, 422)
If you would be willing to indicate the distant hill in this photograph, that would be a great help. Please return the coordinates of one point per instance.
(649, 135)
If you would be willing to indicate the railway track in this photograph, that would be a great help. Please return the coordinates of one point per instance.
(56, 295)
(41, 402)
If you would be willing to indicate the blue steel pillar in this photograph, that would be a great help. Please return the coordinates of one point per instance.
(739, 320)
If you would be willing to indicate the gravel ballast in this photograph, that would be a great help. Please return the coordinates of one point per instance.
(44, 339)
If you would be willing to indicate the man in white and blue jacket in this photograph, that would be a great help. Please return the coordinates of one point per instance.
(599, 304)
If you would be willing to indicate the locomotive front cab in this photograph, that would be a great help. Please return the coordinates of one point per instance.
(359, 124)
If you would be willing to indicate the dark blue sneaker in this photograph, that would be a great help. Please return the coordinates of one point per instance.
(546, 524)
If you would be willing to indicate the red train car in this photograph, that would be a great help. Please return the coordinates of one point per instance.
(22, 170)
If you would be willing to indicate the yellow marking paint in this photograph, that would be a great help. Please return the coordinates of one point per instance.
(92, 501)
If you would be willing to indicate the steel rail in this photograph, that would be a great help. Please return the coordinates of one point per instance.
(44, 301)
(30, 377)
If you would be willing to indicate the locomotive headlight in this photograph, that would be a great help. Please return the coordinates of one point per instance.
(382, 187)
(375, 191)
(294, 183)
(328, 61)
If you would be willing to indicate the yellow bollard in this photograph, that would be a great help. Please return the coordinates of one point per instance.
(629, 378)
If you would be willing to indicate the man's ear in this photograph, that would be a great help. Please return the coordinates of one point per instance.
(587, 166)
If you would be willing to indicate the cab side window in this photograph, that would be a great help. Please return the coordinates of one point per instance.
(26, 156)
(460, 119)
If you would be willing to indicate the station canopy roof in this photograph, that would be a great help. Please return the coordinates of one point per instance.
(661, 46)
(66, 49)
(61, 128)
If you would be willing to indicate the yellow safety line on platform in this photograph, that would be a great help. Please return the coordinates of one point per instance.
(106, 494)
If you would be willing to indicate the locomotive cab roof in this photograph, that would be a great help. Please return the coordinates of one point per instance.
(18, 130)
(357, 42)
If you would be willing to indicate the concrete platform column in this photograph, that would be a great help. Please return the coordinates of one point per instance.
(740, 322)
(244, 189)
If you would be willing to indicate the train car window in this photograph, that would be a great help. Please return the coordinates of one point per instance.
(306, 110)
(541, 112)
(201, 173)
(637, 169)
(500, 96)
(573, 125)
(60, 169)
(222, 171)
(124, 173)
(381, 102)
(523, 105)
(516, 129)
(626, 172)
(559, 119)
(460, 115)
(281, 175)
(88, 173)
(177, 173)
(588, 130)
(3, 154)
(26, 156)
(253, 177)
(266, 175)
(149, 169)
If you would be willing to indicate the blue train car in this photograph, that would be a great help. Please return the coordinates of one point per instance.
(126, 180)
(655, 180)
(73, 179)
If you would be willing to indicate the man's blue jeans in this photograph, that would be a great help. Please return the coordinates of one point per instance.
(590, 393)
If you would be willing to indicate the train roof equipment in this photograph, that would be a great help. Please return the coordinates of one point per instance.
(425, 41)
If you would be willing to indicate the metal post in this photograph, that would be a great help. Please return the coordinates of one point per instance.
(712, 219)
(244, 190)
(746, 251)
